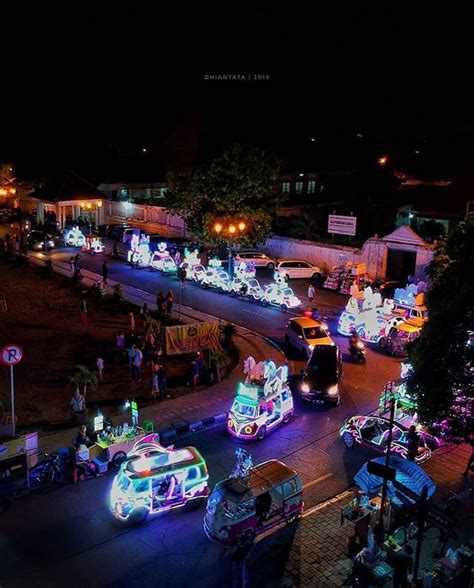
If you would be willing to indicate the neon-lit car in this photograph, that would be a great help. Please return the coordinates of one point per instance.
(93, 245)
(372, 431)
(304, 333)
(403, 334)
(275, 295)
(155, 479)
(249, 288)
(164, 264)
(195, 273)
(376, 327)
(417, 311)
(219, 280)
(257, 410)
(239, 510)
(75, 237)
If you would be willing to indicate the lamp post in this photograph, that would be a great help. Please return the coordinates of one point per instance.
(228, 231)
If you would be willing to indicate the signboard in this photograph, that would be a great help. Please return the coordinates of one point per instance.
(342, 225)
(192, 338)
(11, 354)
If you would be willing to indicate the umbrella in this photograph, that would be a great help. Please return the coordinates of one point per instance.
(409, 482)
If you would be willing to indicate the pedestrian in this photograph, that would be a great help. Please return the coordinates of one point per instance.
(413, 443)
(83, 311)
(72, 264)
(76, 260)
(99, 364)
(403, 566)
(148, 350)
(143, 312)
(115, 252)
(78, 403)
(311, 294)
(131, 317)
(136, 364)
(195, 373)
(177, 258)
(169, 302)
(182, 276)
(105, 272)
(120, 346)
(160, 305)
(470, 461)
(162, 381)
(200, 362)
(155, 388)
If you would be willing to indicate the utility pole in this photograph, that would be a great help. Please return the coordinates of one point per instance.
(380, 528)
(422, 513)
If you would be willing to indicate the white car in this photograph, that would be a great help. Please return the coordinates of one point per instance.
(257, 258)
(298, 268)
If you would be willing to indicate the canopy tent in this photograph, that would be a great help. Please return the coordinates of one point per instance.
(407, 487)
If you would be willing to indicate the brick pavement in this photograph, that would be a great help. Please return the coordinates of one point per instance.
(314, 553)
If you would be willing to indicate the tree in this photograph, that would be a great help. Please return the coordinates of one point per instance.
(442, 357)
(84, 377)
(240, 184)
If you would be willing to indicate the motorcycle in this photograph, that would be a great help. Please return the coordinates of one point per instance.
(357, 351)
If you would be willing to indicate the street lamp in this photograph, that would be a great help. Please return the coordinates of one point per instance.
(228, 230)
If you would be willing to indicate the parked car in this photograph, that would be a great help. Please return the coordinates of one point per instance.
(304, 334)
(321, 376)
(257, 258)
(298, 268)
(180, 244)
(128, 234)
(116, 230)
(373, 431)
(37, 240)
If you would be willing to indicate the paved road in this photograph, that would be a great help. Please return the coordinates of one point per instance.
(67, 537)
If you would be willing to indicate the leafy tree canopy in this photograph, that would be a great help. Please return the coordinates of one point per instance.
(239, 185)
(442, 357)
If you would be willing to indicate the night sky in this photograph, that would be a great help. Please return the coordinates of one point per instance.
(100, 78)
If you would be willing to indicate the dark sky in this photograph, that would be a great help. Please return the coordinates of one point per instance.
(87, 80)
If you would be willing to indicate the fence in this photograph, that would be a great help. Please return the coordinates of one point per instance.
(142, 213)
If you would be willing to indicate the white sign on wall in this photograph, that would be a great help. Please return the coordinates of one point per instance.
(342, 225)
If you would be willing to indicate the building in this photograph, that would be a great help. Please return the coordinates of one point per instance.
(69, 197)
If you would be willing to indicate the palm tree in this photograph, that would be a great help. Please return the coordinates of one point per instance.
(84, 377)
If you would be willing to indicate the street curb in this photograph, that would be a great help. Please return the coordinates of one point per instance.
(173, 432)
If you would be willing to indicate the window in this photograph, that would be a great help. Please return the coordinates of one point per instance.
(296, 328)
(142, 486)
(311, 186)
(299, 187)
(285, 187)
(193, 473)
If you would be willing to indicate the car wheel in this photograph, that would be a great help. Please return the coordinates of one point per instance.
(334, 403)
(5, 504)
(250, 298)
(264, 302)
(137, 516)
(348, 439)
(283, 307)
(293, 517)
(287, 342)
(270, 266)
(316, 278)
(261, 432)
(246, 539)
(204, 286)
(382, 342)
(287, 417)
(119, 458)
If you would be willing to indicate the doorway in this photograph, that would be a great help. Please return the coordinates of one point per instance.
(400, 264)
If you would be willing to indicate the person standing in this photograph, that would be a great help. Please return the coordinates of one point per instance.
(136, 364)
(83, 311)
(76, 260)
(115, 252)
(403, 566)
(160, 304)
(72, 264)
(99, 364)
(162, 381)
(195, 373)
(120, 346)
(413, 443)
(169, 302)
(105, 272)
(155, 388)
(182, 277)
(131, 316)
(470, 461)
(311, 294)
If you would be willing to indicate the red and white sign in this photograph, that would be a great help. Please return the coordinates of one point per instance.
(11, 354)
(342, 225)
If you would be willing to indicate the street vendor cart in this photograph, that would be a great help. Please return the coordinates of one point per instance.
(112, 447)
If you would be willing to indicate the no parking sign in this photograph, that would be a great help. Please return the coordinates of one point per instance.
(10, 356)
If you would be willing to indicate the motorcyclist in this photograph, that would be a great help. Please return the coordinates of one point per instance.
(355, 343)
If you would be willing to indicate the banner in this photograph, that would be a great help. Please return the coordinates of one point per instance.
(190, 338)
(342, 225)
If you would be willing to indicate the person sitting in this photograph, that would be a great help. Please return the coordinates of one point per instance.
(263, 503)
(84, 466)
(83, 437)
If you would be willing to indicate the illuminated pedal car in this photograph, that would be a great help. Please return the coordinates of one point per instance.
(275, 295)
(372, 432)
(248, 288)
(75, 237)
(258, 409)
(376, 327)
(238, 510)
(164, 264)
(195, 273)
(93, 245)
(155, 479)
(219, 280)
(401, 335)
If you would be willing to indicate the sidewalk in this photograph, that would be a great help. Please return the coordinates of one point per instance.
(314, 553)
(169, 416)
